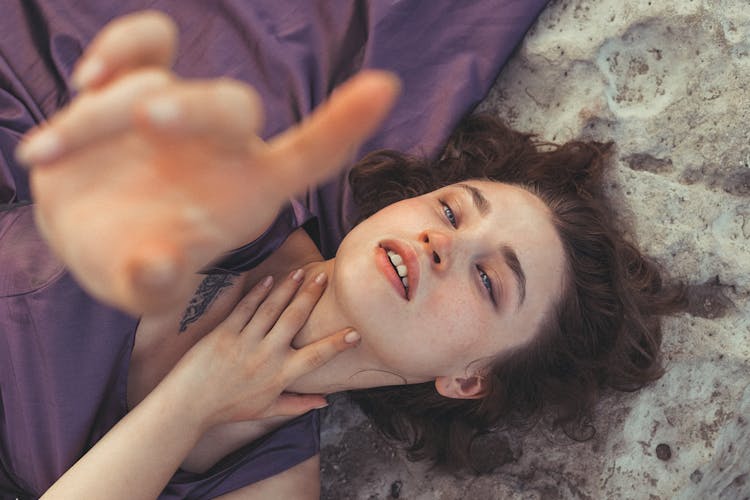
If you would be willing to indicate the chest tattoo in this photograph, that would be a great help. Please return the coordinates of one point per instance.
(208, 290)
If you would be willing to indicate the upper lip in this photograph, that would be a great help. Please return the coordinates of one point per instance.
(410, 259)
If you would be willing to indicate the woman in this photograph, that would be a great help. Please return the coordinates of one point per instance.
(516, 281)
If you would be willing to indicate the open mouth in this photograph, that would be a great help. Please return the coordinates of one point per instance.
(399, 262)
(391, 264)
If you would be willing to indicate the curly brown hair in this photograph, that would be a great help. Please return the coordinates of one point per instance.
(603, 333)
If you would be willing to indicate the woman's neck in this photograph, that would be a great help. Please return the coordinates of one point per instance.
(353, 369)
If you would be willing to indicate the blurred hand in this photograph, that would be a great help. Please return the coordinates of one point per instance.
(145, 178)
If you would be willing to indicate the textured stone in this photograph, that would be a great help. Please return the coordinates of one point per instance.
(669, 82)
(728, 474)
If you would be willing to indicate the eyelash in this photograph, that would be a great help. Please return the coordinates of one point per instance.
(483, 276)
(449, 214)
(487, 283)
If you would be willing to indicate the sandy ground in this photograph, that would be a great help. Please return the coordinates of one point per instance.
(669, 82)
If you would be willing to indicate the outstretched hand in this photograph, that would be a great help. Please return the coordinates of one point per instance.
(145, 178)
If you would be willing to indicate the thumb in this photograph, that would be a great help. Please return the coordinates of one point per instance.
(316, 148)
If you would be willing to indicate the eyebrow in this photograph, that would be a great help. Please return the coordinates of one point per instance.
(480, 202)
(509, 254)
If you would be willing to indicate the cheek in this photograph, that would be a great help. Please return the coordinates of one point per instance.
(456, 324)
(441, 337)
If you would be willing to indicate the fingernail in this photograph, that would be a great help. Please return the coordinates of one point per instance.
(351, 337)
(266, 281)
(89, 71)
(320, 279)
(321, 406)
(297, 275)
(43, 146)
(163, 111)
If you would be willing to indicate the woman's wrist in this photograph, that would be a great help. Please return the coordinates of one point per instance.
(183, 397)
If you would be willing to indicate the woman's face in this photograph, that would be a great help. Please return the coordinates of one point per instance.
(483, 265)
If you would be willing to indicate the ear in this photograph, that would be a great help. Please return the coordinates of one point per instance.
(473, 387)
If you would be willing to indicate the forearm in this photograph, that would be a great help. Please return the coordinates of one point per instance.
(138, 456)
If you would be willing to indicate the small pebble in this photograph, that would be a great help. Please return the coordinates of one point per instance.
(663, 451)
(396, 489)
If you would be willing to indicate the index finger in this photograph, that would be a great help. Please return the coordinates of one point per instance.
(315, 355)
(319, 146)
(147, 38)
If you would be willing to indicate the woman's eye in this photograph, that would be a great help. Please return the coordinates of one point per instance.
(448, 211)
(486, 282)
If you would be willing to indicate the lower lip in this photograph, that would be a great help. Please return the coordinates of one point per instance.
(383, 263)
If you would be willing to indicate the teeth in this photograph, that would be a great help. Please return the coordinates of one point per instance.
(395, 258)
(398, 263)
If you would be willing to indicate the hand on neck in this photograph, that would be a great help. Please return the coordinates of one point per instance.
(354, 369)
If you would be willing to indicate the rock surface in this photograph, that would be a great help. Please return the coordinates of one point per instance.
(669, 82)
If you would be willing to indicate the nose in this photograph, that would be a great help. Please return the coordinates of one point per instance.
(439, 246)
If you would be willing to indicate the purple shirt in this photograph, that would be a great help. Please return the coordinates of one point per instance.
(64, 357)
